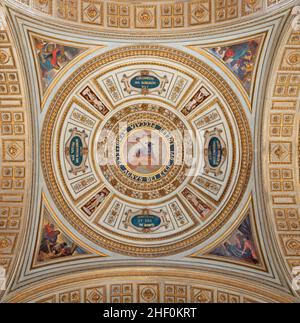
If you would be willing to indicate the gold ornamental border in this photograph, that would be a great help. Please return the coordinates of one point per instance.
(175, 56)
(170, 178)
(148, 275)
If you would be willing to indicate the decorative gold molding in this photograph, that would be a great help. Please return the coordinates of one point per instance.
(218, 284)
(179, 15)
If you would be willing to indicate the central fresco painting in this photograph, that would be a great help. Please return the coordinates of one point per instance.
(149, 151)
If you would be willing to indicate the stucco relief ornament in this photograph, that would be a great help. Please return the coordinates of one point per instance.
(148, 294)
(294, 58)
(3, 57)
(4, 243)
(296, 20)
(251, 3)
(145, 17)
(199, 12)
(92, 12)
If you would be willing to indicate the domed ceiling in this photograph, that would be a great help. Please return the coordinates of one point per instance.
(150, 151)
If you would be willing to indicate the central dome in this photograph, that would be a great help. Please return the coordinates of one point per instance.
(146, 156)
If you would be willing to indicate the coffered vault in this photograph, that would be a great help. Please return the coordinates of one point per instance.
(149, 150)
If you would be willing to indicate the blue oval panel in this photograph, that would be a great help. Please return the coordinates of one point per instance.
(146, 221)
(214, 152)
(145, 82)
(75, 150)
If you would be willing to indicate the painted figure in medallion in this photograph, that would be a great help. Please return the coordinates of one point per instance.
(144, 151)
(202, 208)
(201, 95)
(91, 206)
(90, 96)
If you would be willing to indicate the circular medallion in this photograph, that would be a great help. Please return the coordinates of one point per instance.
(4, 57)
(148, 152)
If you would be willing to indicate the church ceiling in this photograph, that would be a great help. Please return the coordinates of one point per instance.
(143, 165)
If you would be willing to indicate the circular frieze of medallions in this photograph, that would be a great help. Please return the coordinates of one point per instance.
(143, 151)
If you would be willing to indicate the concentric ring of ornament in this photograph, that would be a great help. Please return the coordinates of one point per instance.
(68, 210)
(157, 136)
